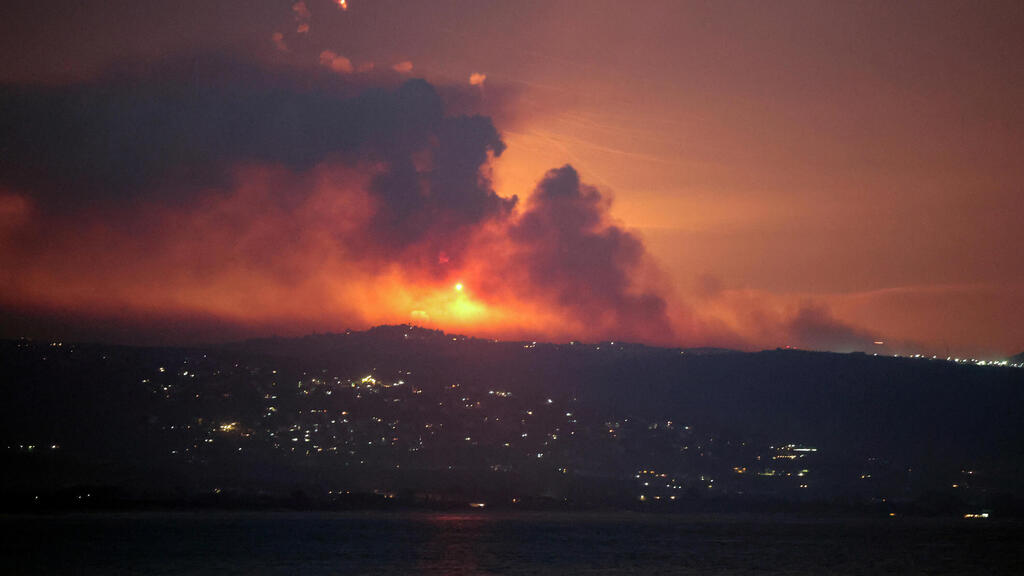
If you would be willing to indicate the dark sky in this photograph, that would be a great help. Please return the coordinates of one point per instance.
(819, 174)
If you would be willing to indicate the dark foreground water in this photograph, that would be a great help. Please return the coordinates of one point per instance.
(382, 543)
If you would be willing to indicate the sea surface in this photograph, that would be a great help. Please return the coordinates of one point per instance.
(502, 543)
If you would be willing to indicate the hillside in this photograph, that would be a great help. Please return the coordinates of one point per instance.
(430, 417)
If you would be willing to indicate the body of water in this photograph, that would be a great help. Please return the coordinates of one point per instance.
(500, 543)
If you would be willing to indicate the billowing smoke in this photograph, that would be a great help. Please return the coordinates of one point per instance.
(209, 197)
(172, 134)
(813, 326)
(183, 125)
(295, 200)
(585, 265)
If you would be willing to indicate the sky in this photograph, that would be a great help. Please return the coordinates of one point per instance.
(822, 175)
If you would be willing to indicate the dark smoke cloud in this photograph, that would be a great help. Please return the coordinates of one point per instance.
(441, 188)
(574, 256)
(814, 327)
(195, 185)
(222, 172)
(179, 129)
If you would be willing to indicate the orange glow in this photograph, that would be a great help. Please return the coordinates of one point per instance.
(236, 258)
(849, 171)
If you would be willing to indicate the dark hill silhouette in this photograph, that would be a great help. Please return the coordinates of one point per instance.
(418, 411)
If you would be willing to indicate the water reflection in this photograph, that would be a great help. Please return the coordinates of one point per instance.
(312, 544)
(455, 544)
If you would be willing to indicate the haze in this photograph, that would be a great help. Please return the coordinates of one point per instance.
(751, 175)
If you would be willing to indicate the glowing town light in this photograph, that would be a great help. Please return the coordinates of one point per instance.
(458, 287)
(343, 4)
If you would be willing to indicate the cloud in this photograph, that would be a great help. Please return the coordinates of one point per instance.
(583, 264)
(279, 43)
(813, 326)
(336, 62)
(403, 67)
(748, 318)
(261, 200)
(120, 158)
(477, 79)
(174, 130)
(276, 201)
(438, 192)
(708, 286)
